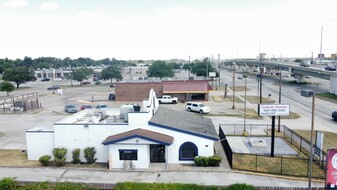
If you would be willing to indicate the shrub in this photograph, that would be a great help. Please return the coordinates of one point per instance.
(89, 155)
(59, 162)
(59, 156)
(8, 183)
(59, 153)
(239, 186)
(201, 161)
(207, 161)
(45, 160)
(214, 160)
(76, 156)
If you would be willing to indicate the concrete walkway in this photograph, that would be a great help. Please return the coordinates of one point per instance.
(106, 176)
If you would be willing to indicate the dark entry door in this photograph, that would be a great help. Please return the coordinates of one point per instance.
(157, 153)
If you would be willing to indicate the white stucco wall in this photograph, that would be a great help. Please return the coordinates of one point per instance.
(71, 136)
(143, 161)
(39, 143)
(205, 146)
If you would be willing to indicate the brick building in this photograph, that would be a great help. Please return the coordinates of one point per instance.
(183, 89)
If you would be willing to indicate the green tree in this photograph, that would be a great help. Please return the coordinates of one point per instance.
(111, 72)
(202, 68)
(6, 87)
(18, 75)
(160, 69)
(81, 74)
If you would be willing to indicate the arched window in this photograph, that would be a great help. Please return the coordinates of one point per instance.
(188, 151)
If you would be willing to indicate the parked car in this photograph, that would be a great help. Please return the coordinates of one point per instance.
(112, 96)
(58, 79)
(100, 106)
(167, 99)
(54, 87)
(112, 85)
(98, 82)
(197, 107)
(334, 116)
(85, 82)
(70, 108)
(45, 79)
(83, 107)
(240, 77)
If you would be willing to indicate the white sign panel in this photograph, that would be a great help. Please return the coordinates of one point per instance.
(274, 109)
(212, 74)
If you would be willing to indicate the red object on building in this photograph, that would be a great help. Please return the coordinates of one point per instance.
(331, 173)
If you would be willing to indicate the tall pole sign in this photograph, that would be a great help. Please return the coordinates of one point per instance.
(331, 173)
(273, 110)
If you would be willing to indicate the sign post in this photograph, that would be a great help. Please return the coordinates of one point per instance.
(273, 110)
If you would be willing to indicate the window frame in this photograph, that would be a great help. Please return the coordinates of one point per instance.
(181, 149)
(123, 156)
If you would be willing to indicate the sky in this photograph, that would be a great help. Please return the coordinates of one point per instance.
(167, 29)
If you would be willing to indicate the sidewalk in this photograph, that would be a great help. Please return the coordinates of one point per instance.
(105, 176)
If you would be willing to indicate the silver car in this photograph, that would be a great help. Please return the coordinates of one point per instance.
(70, 108)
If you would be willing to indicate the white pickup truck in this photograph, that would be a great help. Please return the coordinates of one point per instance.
(166, 99)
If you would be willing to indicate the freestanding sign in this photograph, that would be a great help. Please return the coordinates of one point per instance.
(331, 173)
(273, 110)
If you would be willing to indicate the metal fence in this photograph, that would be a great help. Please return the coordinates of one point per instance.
(266, 164)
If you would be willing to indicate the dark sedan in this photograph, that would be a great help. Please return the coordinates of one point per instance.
(54, 87)
(334, 116)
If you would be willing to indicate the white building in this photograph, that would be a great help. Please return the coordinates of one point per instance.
(151, 135)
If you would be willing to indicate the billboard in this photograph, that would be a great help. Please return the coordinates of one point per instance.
(273, 109)
(331, 173)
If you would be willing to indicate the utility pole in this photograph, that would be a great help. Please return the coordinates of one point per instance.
(189, 71)
(261, 71)
(279, 99)
(219, 67)
(233, 107)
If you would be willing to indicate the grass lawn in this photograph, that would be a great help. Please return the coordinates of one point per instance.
(327, 97)
(256, 100)
(227, 99)
(250, 114)
(329, 141)
(11, 157)
(239, 88)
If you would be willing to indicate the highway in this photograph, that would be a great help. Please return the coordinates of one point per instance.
(291, 94)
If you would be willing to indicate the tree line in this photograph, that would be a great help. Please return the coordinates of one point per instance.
(20, 71)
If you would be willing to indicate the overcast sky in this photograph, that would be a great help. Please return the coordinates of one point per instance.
(166, 29)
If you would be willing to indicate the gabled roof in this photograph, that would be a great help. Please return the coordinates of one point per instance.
(139, 133)
(184, 122)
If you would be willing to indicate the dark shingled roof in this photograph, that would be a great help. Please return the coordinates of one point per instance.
(139, 133)
(184, 122)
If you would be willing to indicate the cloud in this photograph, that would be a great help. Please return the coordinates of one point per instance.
(15, 3)
(50, 6)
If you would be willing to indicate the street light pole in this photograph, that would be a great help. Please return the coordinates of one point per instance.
(233, 107)
(321, 44)
(311, 136)
(261, 71)
(279, 99)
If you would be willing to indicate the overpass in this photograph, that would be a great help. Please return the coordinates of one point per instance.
(293, 68)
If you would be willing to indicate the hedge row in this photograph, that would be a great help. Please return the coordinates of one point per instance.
(207, 161)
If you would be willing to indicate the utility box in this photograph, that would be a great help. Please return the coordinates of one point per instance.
(307, 93)
(59, 91)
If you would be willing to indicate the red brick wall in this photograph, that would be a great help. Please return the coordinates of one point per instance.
(137, 91)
